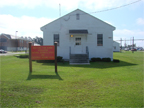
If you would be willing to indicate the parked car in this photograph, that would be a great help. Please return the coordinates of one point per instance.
(133, 49)
(139, 49)
(126, 49)
(2, 51)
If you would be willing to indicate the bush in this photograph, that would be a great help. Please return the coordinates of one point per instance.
(116, 60)
(59, 58)
(106, 59)
(95, 59)
(24, 56)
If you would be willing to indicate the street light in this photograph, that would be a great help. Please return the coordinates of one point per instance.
(16, 33)
(17, 40)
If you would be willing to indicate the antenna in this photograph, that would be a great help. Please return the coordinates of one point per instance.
(59, 10)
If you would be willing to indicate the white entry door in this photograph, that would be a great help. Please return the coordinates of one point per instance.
(78, 47)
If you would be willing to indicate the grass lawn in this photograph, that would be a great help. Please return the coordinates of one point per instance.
(99, 84)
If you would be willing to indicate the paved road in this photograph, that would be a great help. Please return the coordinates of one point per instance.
(11, 53)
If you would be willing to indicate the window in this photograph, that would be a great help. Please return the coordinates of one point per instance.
(77, 16)
(114, 47)
(99, 39)
(56, 39)
(77, 41)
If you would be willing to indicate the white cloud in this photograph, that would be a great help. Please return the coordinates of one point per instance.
(140, 21)
(25, 25)
(67, 4)
(129, 33)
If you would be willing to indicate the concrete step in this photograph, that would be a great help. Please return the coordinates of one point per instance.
(79, 61)
(79, 58)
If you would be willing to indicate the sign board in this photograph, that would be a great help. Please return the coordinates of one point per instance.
(43, 52)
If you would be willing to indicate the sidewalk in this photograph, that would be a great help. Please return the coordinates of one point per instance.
(11, 53)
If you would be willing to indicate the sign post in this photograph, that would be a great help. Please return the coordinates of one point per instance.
(55, 56)
(30, 61)
(42, 53)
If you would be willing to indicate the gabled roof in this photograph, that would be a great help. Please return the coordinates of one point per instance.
(75, 14)
(8, 36)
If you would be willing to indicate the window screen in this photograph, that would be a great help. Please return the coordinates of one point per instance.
(56, 39)
(99, 39)
(77, 16)
(77, 41)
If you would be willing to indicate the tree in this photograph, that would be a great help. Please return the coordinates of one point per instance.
(38, 40)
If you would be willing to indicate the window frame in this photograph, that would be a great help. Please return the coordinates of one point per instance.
(77, 16)
(56, 39)
(99, 39)
(78, 41)
(114, 47)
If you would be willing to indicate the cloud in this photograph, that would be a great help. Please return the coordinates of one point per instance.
(66, 4)
(25, 25)
(34, 3)
(125, 33)
(140, 21)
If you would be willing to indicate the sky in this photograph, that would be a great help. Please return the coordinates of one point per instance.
(27, 16)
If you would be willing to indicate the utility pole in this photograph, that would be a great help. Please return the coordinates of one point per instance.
(16, 41)
(125, 42)
(59, 10)
(133, 45)
(133, 40)
(121, 45)
(130, 41)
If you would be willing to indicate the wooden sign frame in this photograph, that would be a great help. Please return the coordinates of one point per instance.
(43, 56)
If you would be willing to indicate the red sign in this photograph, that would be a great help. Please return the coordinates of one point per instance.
(42, 52)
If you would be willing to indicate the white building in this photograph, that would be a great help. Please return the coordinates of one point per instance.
(116, 46)
(79, 34)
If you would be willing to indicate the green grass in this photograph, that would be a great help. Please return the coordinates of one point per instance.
(99, 84)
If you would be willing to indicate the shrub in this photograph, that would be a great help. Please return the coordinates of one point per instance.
(95, 59)
(98, 59)
(106, 59)
(24, 56)
(116, 60)
(59, 58)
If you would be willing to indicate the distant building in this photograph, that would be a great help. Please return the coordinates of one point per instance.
(35, 44)
(116, 46)
(13, 43)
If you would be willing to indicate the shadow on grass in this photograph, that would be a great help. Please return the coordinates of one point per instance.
(100, 65)
(30, 76)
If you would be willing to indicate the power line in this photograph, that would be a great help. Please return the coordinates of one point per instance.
(130, 40)
(117, 7)
(110, 8)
